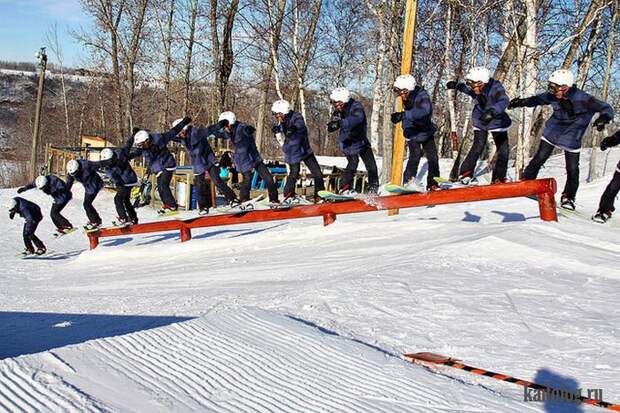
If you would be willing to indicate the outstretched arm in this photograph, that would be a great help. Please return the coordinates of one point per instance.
(611, 141)
(174, 131)
(536, 100)
(31, 185)
(463, 88)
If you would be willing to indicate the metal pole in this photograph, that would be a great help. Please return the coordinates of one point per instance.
(398, 147)
(37, 114)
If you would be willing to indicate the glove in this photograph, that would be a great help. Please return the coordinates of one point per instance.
(333, 125)
(276, 128)
(451, 84)
(290, 131)
(223, 123)
(516, 103)
(20, 190)
(396, 117)
(608, 142)
(250, 129)
(12, 214)
(487, 116)
(601, 121)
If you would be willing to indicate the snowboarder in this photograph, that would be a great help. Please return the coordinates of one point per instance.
(606, 205)
(418, 128)
(246, 155)
(85, 172)
(32, 214)
(349, 119)
(292, 134)
(196, 141)
(57, 189)
(489, 115)
(115, 164)
(160, 161)
(572, 111)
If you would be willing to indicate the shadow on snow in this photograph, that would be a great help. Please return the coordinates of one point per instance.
(26, 333)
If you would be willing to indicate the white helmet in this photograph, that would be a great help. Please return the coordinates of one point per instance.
(41, 181)
(281, 106)
(176, 122)
(405, 82)
(106, 154)
(140, 137)
(72, 166)
(340, 94)
(478, 74)
(562, 77)
(12, 204)
(229, 116)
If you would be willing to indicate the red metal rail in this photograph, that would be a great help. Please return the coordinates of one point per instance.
(543, 189)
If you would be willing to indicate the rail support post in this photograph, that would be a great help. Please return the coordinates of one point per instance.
(93, 240)
(329, 218)
(186, 234)
(547, 206)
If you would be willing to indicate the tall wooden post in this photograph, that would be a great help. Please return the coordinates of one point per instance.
(398, 147)
(37, 114)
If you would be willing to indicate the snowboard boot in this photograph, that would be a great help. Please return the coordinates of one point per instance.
(203, 211)
(91, 226)
(167, 210)
(26, 252)
(372, 189)
(567, 203)
(121, 223)
(40, 251)
(601, 216)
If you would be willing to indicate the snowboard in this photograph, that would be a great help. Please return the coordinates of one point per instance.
(116, 224)
(445, 183)
(582, 216)
(168, 213)
(58, 235)
(244, 207)
(333, 197)
(401, 190)
(21, 255)
(284, 205)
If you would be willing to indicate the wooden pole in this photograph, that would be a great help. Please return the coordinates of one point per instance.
(398, 147)
(37, 114)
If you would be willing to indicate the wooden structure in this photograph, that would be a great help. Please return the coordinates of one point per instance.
(543, 189)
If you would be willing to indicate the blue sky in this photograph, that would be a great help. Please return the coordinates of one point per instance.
(24, 24)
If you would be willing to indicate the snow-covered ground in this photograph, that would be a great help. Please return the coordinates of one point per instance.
(295, 317)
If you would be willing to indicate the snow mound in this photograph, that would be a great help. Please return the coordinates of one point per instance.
(239, 359)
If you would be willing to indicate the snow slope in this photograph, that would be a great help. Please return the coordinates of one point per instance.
(295, 317)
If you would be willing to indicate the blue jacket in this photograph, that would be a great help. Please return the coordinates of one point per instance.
(296, 143)
(352, 134)
(245, 153)
(118, 169)
(417, 120)
(87, 175)
(493, 97)
(27, 210)
(571, 117)
(157, 155)
(55, 187)
(199, 148)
